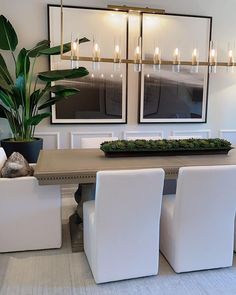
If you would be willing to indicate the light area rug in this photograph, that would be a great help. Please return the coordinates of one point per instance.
(61, 272)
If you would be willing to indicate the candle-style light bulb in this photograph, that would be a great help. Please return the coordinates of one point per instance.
(74, 47)
(176, 56)
(138, 56)
(195, 56)
(157, 59)
(157, 56)
(74, 50)
(117, 55)
(176, 60)
(96, 56)
(231, 63)
(195, 60)
(117, 58)
(96, 52)
(213, 57)
(230, 58)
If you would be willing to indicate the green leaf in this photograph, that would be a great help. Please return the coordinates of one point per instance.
(35, 120)
(50, 102)
(35, 96)
(14, 123)
(56, 75)
(83, 40)
(22, 63)
(4, 85)
(56, 50)
(63, 91)
(6, 99)
(3, 112)
(4, 71)
(8, 37)
(40, 46)
(19, 91)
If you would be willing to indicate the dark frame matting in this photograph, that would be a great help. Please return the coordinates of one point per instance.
(126, 66)
(207, 74)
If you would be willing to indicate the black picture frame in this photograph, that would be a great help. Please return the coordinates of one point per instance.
(103, 96)
(156, 101)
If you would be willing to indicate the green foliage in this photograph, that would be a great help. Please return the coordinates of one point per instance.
(8, 37)
(162, 145)
(22, 102)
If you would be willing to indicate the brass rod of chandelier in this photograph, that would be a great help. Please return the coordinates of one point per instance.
(62, 29)
(145, 61)
(135, 9)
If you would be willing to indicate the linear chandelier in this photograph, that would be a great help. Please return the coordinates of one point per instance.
(137, 60)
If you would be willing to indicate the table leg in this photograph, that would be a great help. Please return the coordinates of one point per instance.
(85, 192)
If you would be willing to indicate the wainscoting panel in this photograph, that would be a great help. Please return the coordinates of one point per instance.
(75, 137)
(51, 140)
(228, 134)
(145, 134)
(201, 133)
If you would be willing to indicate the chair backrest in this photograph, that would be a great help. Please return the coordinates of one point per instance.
(128, 206)
(205, 202)
(184, 136)
(3, 158)
(94, 142)
(144, 137)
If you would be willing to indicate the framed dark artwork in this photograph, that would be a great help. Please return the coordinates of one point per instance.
(166, 94)
(103, 93)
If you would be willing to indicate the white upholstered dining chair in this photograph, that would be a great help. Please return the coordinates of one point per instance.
(197, 224)
(121, 227)
(30, 214)
(94, 142)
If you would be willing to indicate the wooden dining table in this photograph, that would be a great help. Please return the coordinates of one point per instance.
(66, 166)
(79, 166)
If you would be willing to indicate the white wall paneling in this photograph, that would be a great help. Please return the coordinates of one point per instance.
(200, 133)
(229, 134)
(75, 137)
(51, 140)
(145, 134)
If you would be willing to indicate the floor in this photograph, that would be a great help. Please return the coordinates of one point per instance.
(61, 272)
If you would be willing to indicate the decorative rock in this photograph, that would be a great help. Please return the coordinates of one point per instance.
(16, 166)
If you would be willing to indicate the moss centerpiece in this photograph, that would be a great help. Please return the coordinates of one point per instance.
(165, 147)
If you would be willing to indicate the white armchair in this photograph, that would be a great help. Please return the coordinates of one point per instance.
(30, 215)
(121, 227)
(197, 224)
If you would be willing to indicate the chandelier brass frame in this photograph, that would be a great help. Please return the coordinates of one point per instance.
(139, 10)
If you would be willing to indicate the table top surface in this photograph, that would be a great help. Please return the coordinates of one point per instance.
(74, 162)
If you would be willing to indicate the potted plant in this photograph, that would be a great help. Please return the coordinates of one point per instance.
(23, 102)
(165, 147)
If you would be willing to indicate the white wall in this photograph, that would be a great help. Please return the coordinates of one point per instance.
(29, 17)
